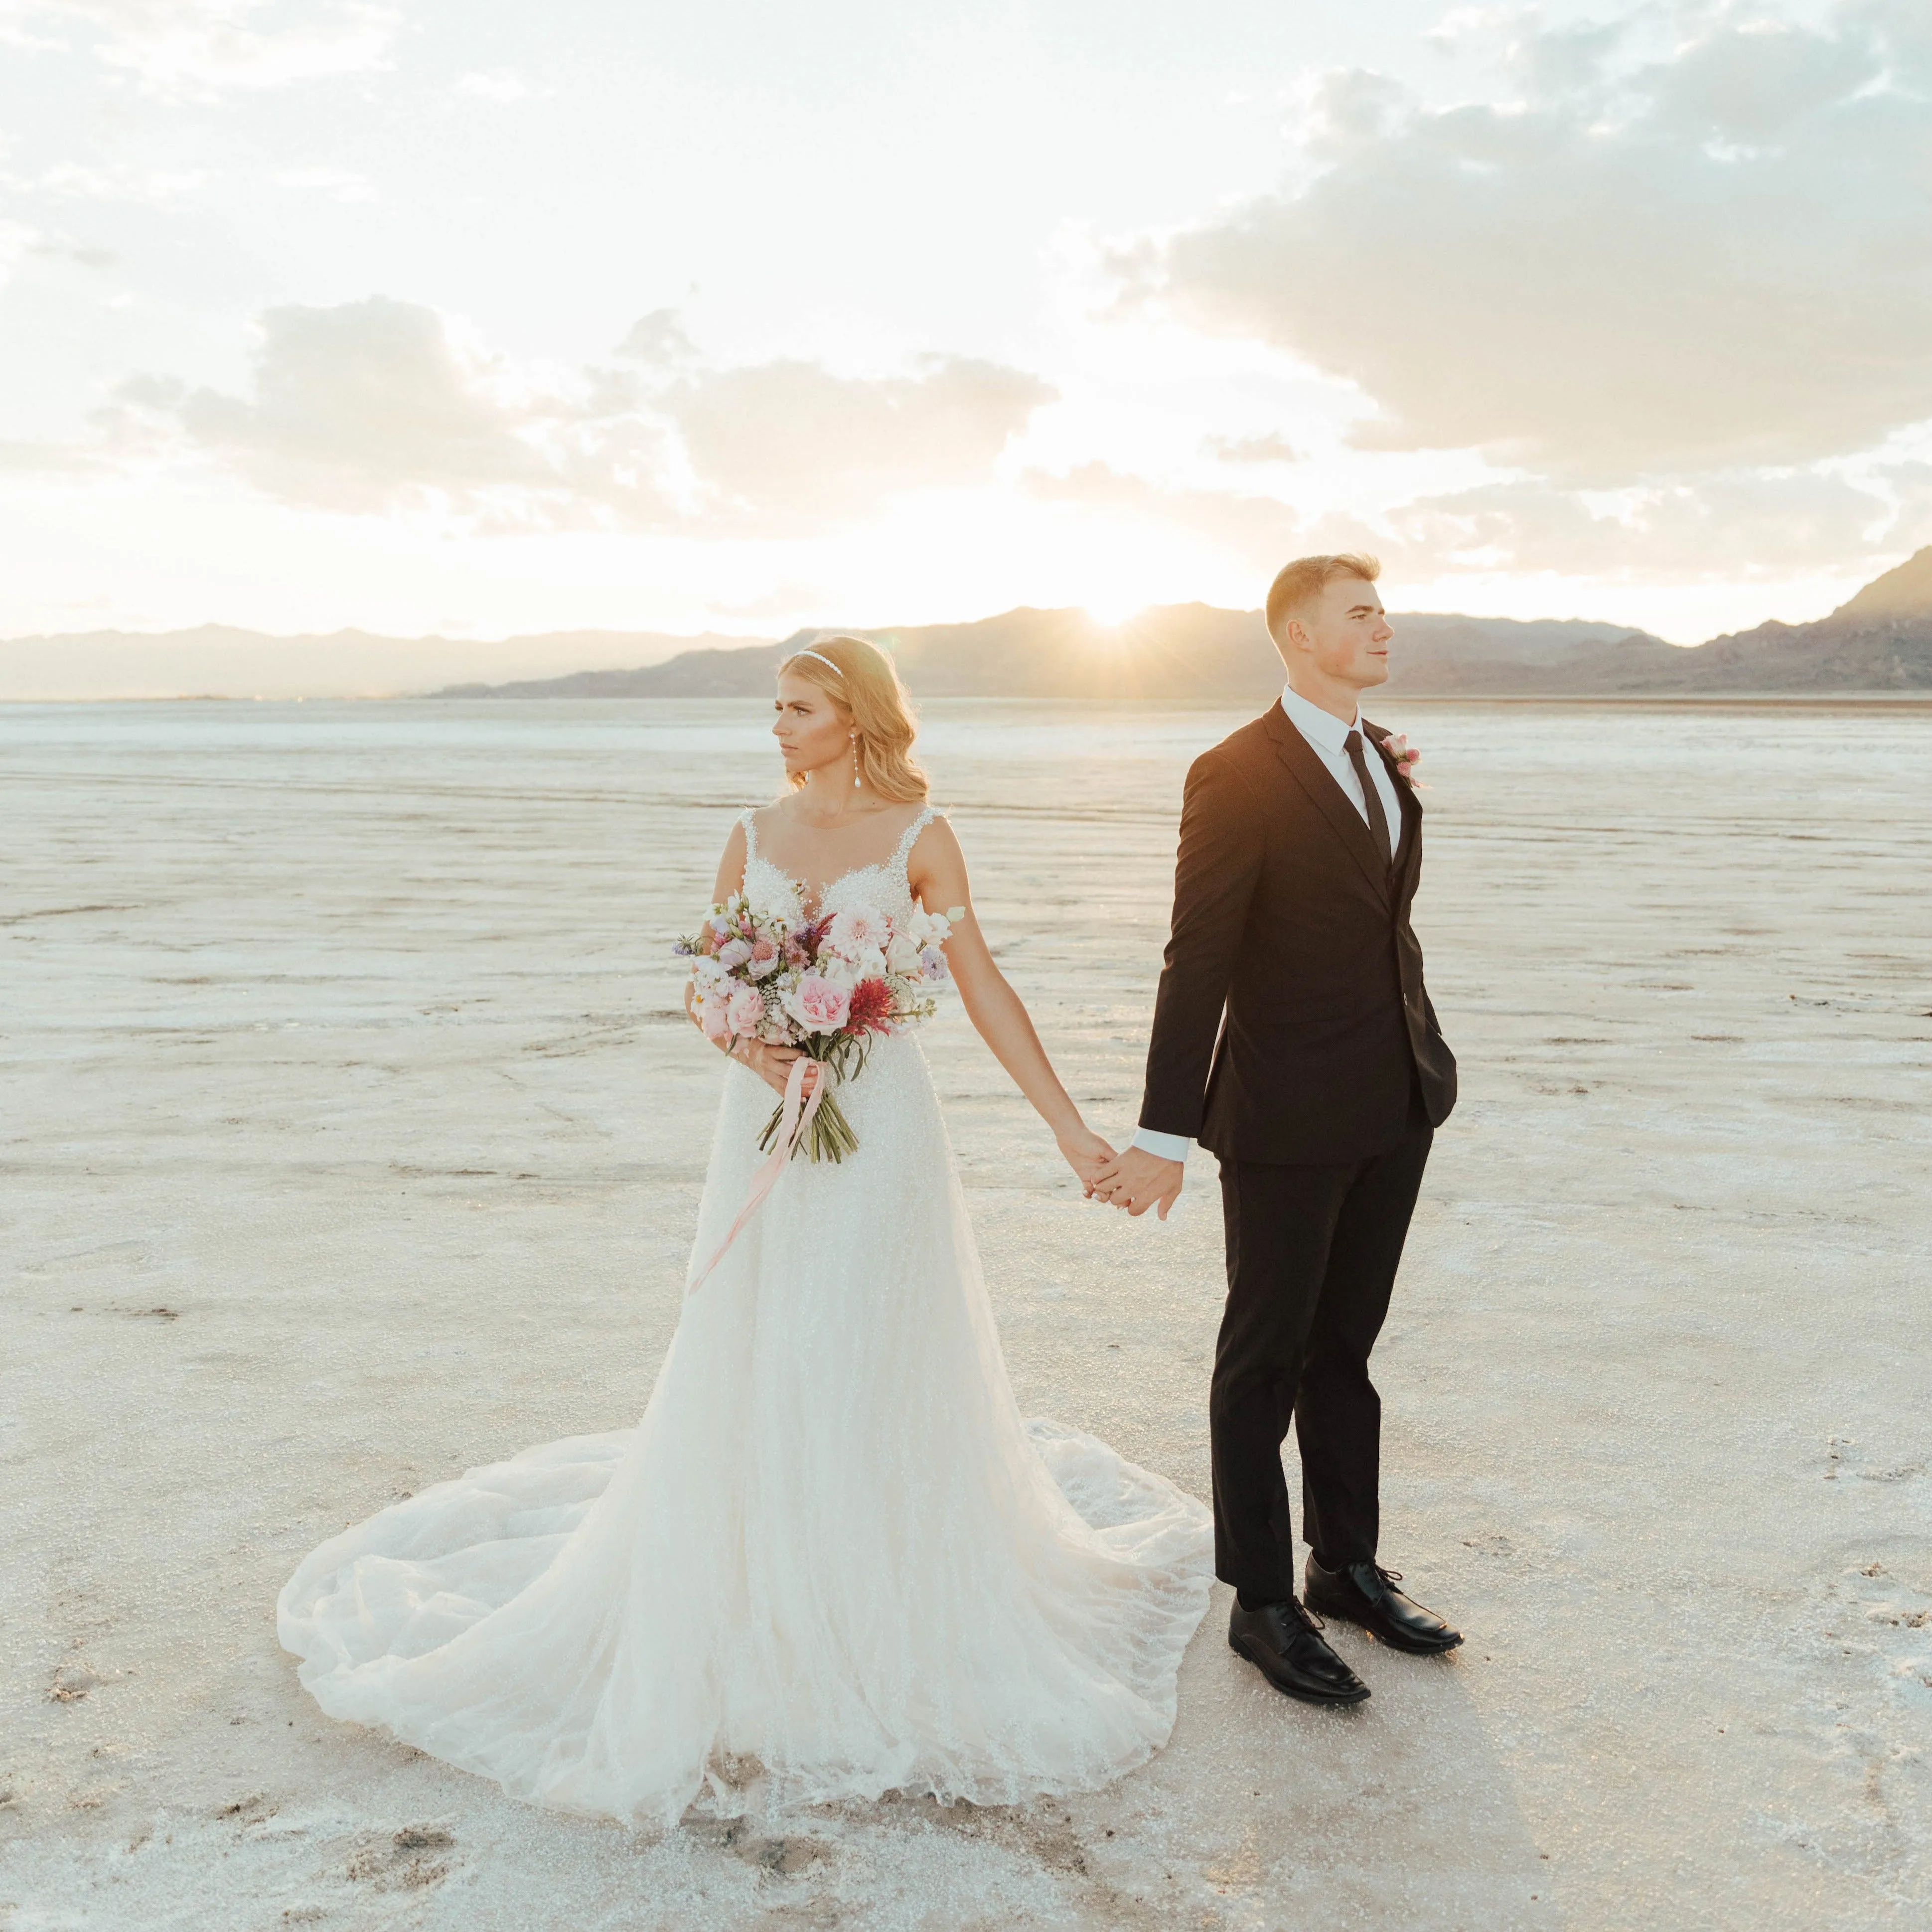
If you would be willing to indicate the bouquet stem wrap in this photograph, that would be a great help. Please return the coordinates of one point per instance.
(825, 1134)
(794, 1118)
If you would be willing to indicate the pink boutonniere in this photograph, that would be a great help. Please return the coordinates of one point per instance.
(1406, 757)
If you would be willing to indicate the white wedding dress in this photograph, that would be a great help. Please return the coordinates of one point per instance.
(831, 1561)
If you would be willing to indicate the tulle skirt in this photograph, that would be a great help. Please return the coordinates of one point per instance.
(831, 1561)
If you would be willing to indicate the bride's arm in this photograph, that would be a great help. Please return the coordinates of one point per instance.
(937, 873)
(771, 1064)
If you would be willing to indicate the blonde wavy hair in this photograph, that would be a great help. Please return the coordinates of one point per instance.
(865, 691)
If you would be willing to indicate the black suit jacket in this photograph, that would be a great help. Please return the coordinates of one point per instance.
(1291, 1024)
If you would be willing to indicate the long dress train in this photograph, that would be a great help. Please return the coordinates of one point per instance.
(831, 1561)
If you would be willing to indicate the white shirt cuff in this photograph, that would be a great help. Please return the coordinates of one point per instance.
(1169, 1146)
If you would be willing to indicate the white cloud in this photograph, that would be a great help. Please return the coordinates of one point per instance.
(1258, 531)
(362, 407)
(1733, 529)
(1271, 446)
(381, 404)
(338, 184)
(197, 47)
(151, 186)
(791, 439)
(1717, 257)
(17, 241)
(503, 88)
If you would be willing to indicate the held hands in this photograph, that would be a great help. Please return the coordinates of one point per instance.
(1086, 1153)
(1137, 1180)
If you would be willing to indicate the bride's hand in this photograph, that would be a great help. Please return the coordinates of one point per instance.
(1086, 1153)
(772, 1064)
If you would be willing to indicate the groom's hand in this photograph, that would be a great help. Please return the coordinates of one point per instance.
(1137, 1180)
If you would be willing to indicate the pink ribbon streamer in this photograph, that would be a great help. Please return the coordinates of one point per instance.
(799, 1113)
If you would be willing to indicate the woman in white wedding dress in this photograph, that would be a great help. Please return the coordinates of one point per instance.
(831, 1560)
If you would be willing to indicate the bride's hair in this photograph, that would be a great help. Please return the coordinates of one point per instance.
(860, 680)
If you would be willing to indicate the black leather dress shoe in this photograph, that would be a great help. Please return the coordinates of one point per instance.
(1284, 1644)
(1365, 1594)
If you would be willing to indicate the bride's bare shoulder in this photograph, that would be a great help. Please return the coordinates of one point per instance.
(935, 857)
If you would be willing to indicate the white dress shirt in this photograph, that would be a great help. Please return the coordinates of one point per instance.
(1327, 737)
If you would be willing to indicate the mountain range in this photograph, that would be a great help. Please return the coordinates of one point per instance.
(1880, 641)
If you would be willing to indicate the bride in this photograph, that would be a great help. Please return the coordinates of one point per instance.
(831, 1560)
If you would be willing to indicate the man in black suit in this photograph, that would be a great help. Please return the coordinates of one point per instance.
(1293, 1038)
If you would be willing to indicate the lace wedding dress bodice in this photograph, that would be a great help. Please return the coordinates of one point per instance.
(831, 1561)
(883, 886)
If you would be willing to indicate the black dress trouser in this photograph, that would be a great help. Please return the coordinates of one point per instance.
(1312, 1258)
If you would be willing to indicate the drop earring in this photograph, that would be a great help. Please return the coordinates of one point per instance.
(855, 761)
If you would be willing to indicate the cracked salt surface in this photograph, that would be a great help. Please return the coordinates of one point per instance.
(352, 1140)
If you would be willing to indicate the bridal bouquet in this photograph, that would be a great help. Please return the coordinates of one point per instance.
(828, 987)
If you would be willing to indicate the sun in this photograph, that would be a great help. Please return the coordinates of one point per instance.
(1111, 613)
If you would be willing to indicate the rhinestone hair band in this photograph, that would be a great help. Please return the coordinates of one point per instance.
(823, 659)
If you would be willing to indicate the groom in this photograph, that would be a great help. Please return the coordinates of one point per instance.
(1293, 1039)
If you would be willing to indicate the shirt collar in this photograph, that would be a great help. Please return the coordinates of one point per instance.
(1322, 729)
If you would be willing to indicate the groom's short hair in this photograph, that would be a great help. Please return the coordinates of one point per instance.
(1304, 580)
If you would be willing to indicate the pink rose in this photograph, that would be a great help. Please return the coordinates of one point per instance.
(712, 1015)
(1405, 756)
(818, 1005)
(744, 1009)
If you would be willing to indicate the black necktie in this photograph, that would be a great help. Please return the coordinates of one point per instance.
(1378, 817)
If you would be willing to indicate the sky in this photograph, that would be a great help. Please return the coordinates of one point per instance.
(481, 319)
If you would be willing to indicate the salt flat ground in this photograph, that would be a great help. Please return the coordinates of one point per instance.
(349, 1138)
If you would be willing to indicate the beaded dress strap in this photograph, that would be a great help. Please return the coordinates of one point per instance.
(745, 818)
(910, 838)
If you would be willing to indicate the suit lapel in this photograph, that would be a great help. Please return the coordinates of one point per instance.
(1314, 778)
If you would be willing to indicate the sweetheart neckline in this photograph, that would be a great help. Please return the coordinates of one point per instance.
(901, 856)
(798, 884)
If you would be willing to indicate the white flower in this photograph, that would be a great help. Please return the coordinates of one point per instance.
(858, 929)
(835, 968)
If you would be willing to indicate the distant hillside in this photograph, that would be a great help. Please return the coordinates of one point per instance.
(218, 661)
(1878, 640)
(1906, 592)
(1173, 651)
(1836, 655)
